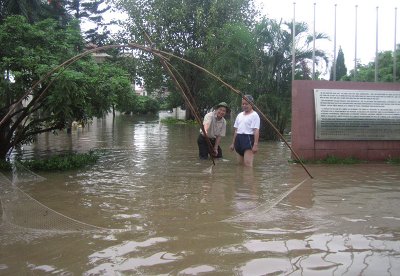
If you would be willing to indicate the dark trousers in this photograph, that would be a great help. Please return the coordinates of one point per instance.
(204, 150)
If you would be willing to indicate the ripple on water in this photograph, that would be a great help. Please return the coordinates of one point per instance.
(196, 270)
(344, 221)
(126, 254)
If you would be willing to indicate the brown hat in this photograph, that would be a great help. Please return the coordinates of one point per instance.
(222, 104)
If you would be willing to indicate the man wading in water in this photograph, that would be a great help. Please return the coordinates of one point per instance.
(247, 133)
(215, 127)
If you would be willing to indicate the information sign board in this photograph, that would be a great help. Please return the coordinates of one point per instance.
(357, 114)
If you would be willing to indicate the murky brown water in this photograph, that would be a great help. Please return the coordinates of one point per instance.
(185, 219)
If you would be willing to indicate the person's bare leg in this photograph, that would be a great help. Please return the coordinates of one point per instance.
(248, 158)
(240, 159)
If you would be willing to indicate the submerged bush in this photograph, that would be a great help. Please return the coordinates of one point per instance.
(174, 121)
(62, 162)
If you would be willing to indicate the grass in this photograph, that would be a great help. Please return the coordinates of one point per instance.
(393, 160)
(63, 162)
(336, 160)
(330, 159)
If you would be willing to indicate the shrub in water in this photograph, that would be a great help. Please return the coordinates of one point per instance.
(62, 162)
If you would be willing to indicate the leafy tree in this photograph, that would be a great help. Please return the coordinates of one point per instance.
(91, 11)
(366, 72)
(232, 52)
(146, 104)
(63, 11)
(88, 9)
(185, 28)
(30, 9)
(79, 92)
(56, 10)
(341, 69)
(35, 10)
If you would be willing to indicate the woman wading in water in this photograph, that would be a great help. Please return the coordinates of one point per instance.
(247, 133)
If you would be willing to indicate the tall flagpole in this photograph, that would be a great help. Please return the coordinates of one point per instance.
(334, 48)
(313, 52)
(376, 48)
(395, 46)
(355, 49)
(293, 40)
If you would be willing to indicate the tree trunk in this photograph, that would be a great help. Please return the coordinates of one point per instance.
(5, 145)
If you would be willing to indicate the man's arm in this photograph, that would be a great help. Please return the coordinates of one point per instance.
(217, 142)
(207, 123)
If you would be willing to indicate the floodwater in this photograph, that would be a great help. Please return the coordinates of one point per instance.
(183, 216)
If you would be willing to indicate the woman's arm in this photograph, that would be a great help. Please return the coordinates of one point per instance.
(232, 147)
(256, 138)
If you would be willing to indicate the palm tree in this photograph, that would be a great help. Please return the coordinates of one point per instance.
(273, 67)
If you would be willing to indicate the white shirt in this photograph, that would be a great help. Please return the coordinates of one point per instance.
(245, 124)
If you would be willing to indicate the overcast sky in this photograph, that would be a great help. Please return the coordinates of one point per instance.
(345, 23)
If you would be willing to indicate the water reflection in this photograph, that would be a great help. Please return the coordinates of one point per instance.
(188, 219)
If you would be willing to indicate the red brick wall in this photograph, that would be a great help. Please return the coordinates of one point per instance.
(303, 125)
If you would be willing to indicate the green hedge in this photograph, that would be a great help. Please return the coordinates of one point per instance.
(62, 162)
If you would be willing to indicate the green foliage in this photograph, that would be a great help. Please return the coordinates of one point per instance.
(336, 160)
(271, 74)
(366, 73)
(30, 9)
(132, 103)
(75, 93)
(190, 29)
(341, 69)
(125, 61)
(146, 105)
(127, 102)
(174, 121)
(36, 10)
(92, 11)
(62, 11)
(393, 160)
(331, 159)
(62, 162)
(231, 54)
(278, 111)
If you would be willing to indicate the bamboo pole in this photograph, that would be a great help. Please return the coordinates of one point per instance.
(243, 97)
(185, 94)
